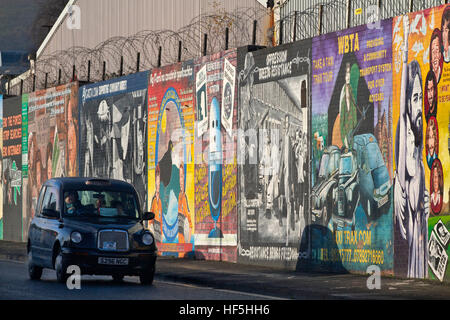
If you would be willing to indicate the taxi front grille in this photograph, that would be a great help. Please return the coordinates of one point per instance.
(113, 240)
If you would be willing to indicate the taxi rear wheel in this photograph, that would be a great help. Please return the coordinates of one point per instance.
(34, 271)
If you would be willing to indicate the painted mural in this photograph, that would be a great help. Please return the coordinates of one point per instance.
(215, 157)
(421, 114)
(272, 152)
(12, 169)
(113, 131)
(351, 194)
(1, 166)
(52, 140)
(171, 189)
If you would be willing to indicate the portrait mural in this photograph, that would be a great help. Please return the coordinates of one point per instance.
(421, 113)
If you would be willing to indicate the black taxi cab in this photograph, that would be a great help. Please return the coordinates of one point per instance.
(94, 224)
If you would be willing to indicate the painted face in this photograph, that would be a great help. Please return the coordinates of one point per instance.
(416, 111)
(435, 179)
(431, 140)
(436, 56)
(410, 147)
(430, 92)
(347, 75)
(445, 33)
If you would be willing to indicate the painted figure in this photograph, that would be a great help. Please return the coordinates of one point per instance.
(436, 187)
(436, 58)
(285, 172)
(156, 207)
(430, 103)
(215, 167)
(347, 109)
(432, 142)
(184, 234)
(445, 29)
(49, 161)
(411, 199)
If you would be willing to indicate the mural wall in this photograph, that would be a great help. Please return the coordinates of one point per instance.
(272, 152)
(1, 166)
(330, 153)
(421, 114)
(113, 131)
(12, 169)
(171, 186)
(215, 157)
(51, 141)
(351, 194)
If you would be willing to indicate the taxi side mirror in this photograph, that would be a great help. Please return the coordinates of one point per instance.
(148, 216)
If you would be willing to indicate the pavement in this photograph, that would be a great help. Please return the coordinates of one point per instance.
(276, 283)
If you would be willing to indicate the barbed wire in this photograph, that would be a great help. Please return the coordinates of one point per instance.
(57, 67)
(334, 15)
(240, 24)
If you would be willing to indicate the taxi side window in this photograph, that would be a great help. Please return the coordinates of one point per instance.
(50, 199)
(39, 203)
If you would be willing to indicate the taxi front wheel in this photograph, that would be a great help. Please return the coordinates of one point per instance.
(61, 268)
(146, 278)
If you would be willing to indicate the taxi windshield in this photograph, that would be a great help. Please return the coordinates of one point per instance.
(112, 204)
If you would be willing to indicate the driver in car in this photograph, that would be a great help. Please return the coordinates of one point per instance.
(72, 202)
(100, 203)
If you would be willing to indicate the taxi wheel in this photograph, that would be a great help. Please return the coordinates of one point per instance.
(146, 278)
(61, 269)
(34, 272)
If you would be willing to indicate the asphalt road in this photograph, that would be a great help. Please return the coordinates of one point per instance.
(15, 285)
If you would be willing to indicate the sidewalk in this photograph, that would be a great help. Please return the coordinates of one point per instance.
(274, 282)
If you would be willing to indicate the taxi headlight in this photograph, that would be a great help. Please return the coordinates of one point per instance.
(147, 238)
(76, 237)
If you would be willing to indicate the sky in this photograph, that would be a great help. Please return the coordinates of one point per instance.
(16, 21)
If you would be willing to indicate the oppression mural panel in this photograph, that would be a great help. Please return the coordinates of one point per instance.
(421, 115)
(12, 169)
(351, 196)
(113, 131)
(171, 190)
(274, 86)
(52, 140)
(215, 157)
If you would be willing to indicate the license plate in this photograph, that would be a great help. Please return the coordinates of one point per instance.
(113, 261)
